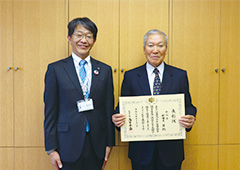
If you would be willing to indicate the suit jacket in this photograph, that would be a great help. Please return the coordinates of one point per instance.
(64, 126)
(175, 81)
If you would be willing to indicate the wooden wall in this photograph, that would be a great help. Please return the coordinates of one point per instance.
(204, 39)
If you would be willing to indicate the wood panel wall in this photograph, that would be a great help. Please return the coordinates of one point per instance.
(204, 39)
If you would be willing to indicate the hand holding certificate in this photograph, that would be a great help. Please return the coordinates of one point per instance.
(152, 117)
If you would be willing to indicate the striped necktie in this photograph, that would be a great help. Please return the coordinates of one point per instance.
(82, 70)
(157, 83)
(83, 75)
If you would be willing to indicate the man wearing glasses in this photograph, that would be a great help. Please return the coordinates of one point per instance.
(79, 104)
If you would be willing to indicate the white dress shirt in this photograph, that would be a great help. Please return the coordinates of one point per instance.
(151, 75)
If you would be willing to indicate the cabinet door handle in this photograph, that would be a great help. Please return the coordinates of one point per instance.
(115, 70)
(9, 68)
(223, 70)
(15, 68)
(122, 70)
(216, 70)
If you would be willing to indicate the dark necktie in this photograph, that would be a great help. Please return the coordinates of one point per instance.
(157, 83)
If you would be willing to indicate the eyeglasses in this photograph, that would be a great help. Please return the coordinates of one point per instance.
(88, 37)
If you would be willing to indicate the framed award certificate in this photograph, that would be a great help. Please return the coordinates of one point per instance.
(152, 117)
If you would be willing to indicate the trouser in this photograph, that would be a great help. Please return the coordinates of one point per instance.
(88, 159)
(155, 164)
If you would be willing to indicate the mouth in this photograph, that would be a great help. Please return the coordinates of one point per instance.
(155, 57)
(83, 46)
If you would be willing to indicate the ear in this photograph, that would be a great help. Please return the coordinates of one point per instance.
(69, 39)
(94, 40)
(143, 50)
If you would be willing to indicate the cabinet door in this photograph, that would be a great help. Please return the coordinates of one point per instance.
(195, 48)
(39, 38)
(6, 75)
(32, 159)
(137, 18)
(229, 157)
(7, 158)
(229, 130)
(200, 157)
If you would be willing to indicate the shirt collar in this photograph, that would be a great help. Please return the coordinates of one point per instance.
(160, 68)
(78, 59)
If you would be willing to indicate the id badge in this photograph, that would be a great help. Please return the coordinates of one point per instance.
(85, 105)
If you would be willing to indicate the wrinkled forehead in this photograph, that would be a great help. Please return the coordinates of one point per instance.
(156, 38)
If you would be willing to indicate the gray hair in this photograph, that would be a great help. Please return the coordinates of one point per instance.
(154, 31)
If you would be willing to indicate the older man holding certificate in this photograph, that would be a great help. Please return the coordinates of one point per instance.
(156, 78)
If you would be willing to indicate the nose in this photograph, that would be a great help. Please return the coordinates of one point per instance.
(83, 40)
(155, 49)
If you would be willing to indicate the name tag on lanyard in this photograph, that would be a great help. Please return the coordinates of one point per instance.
(85, 105)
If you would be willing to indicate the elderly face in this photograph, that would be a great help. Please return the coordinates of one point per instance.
(81, 41)
(155, 49)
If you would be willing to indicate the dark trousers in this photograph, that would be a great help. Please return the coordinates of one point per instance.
(155, 164)
(88, 159)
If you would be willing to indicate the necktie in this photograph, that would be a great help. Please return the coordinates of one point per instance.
(83, 75)
(82, 70)
(157, 83)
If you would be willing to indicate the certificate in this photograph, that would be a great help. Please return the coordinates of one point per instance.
(152, 117)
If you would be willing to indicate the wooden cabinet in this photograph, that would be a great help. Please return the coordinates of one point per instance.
(229, 125)
(6, 87)
(195, 48)
(200, 157)
(205, 42)
(6, 75)
(33, 33)
(7, 158)
(39, 38)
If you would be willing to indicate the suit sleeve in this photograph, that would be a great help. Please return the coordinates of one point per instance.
(110, 110)
(189, 108)
(51, 109)
(125, 89)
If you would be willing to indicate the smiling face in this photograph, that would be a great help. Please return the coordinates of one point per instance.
(81, 41)
(155, 49)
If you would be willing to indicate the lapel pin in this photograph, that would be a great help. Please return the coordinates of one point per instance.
(96, 72)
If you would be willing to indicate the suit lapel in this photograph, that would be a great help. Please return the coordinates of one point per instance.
(167, 79)
(71, 71)
(143, 80)
(97, 69)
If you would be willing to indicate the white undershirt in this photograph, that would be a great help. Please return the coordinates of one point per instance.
(151, 75)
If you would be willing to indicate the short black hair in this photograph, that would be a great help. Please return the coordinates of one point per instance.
(85, 22)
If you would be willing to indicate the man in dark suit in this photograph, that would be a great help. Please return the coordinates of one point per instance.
(149, 79)
(79, 104)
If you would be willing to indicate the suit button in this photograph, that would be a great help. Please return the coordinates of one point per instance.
(84, 124)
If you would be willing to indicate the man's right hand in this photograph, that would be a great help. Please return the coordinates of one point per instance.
(118, 119)
(55, 159)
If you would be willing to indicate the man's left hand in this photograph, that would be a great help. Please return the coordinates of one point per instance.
(107, 154)
(187, 121)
